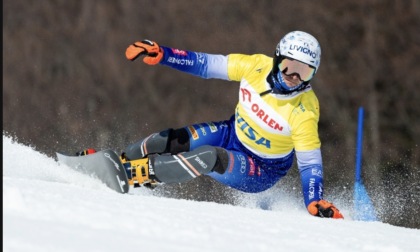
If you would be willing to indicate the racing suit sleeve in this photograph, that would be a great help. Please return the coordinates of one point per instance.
(311, 174)
(199, 64)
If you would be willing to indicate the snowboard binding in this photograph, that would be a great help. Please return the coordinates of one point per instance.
(138, 172)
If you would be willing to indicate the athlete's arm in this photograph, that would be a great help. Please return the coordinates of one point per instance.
(200, 64)
(311, 174)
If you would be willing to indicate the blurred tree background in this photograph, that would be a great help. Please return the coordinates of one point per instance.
(67, 85)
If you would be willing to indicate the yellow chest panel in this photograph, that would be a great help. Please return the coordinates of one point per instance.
(271, 125)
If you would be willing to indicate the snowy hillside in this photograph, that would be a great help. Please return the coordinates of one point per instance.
(48, 207)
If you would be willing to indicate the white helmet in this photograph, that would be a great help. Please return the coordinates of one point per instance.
(300, 46)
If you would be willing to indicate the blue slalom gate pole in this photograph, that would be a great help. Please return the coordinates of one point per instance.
(363, 207)
(359, 145)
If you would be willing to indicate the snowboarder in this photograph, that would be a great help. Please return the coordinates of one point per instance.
(275, 119)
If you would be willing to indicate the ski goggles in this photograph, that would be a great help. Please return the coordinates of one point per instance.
(290, 66)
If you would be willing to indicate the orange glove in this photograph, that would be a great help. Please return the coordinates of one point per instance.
(145, 47)
(324, 209)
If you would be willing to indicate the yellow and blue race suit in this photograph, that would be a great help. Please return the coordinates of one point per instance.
(266, 130)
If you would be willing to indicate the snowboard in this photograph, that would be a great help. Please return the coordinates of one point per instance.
(104, 165)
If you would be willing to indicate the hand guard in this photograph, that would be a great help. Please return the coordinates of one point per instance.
(324, 209)
(145, 47)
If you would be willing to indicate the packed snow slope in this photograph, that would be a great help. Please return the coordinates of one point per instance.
(49, 207)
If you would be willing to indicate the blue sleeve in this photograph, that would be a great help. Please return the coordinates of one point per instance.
(196, 63)
(312, 178)
(311, 174)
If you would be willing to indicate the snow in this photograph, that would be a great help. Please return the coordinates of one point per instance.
(49, 207)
